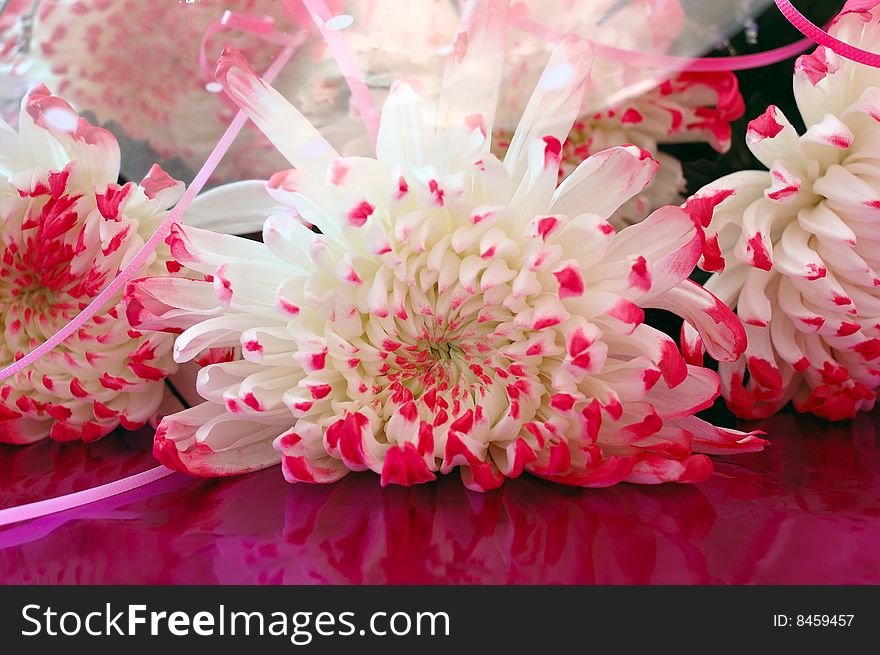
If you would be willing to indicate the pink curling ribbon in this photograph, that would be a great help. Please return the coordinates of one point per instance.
(102, 509)
(351, 71)
(823, 38)
(93, 495)
(669, 62)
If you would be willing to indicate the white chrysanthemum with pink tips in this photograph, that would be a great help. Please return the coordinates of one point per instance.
(66, 229)
(451, 310)
(797, 249)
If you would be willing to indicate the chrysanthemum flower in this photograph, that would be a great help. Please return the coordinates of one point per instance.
(796, 248)
(454, 311)
(66, 228)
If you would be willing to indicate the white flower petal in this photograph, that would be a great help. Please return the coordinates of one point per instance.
(289, 131)
(236, 208)
(604, 181)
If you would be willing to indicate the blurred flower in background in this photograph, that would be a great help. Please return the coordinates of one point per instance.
(19, 70)
(136, 68)
(626, 103)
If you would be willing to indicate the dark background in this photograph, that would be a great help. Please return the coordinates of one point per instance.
(770, 85)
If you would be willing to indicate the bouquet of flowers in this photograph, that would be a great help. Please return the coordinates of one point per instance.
(451, 236)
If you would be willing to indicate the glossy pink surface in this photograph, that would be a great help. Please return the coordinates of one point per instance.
(805, 511)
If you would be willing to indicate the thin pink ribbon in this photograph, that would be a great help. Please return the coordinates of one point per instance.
(93, 495)
(669, 62)
(351, 71)
(823, 38)
(103, 509)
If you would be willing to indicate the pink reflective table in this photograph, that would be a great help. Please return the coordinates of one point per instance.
(807, 511)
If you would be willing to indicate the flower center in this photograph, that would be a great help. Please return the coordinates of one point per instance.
(34, 274)
(39, 287)
(444, 362)
(449, 365)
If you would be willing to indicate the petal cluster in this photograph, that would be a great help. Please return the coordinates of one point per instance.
(795, 248)
(66, 229)
(434, 308)
(688, 108)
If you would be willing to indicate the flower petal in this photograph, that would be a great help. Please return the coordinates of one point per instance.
(721, 331)
(604, 181)
(670, 245)
(205, 441)
(236, 208)
(471, 81)
(548, 117)
(289, 131)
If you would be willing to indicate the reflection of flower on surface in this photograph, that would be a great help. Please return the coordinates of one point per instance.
(455, 311)
(59, 548)
(762, 519)
(795, 248)
(51, 469)
(817, 484)
(66, 229)
(527, 533)
(755, 522)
